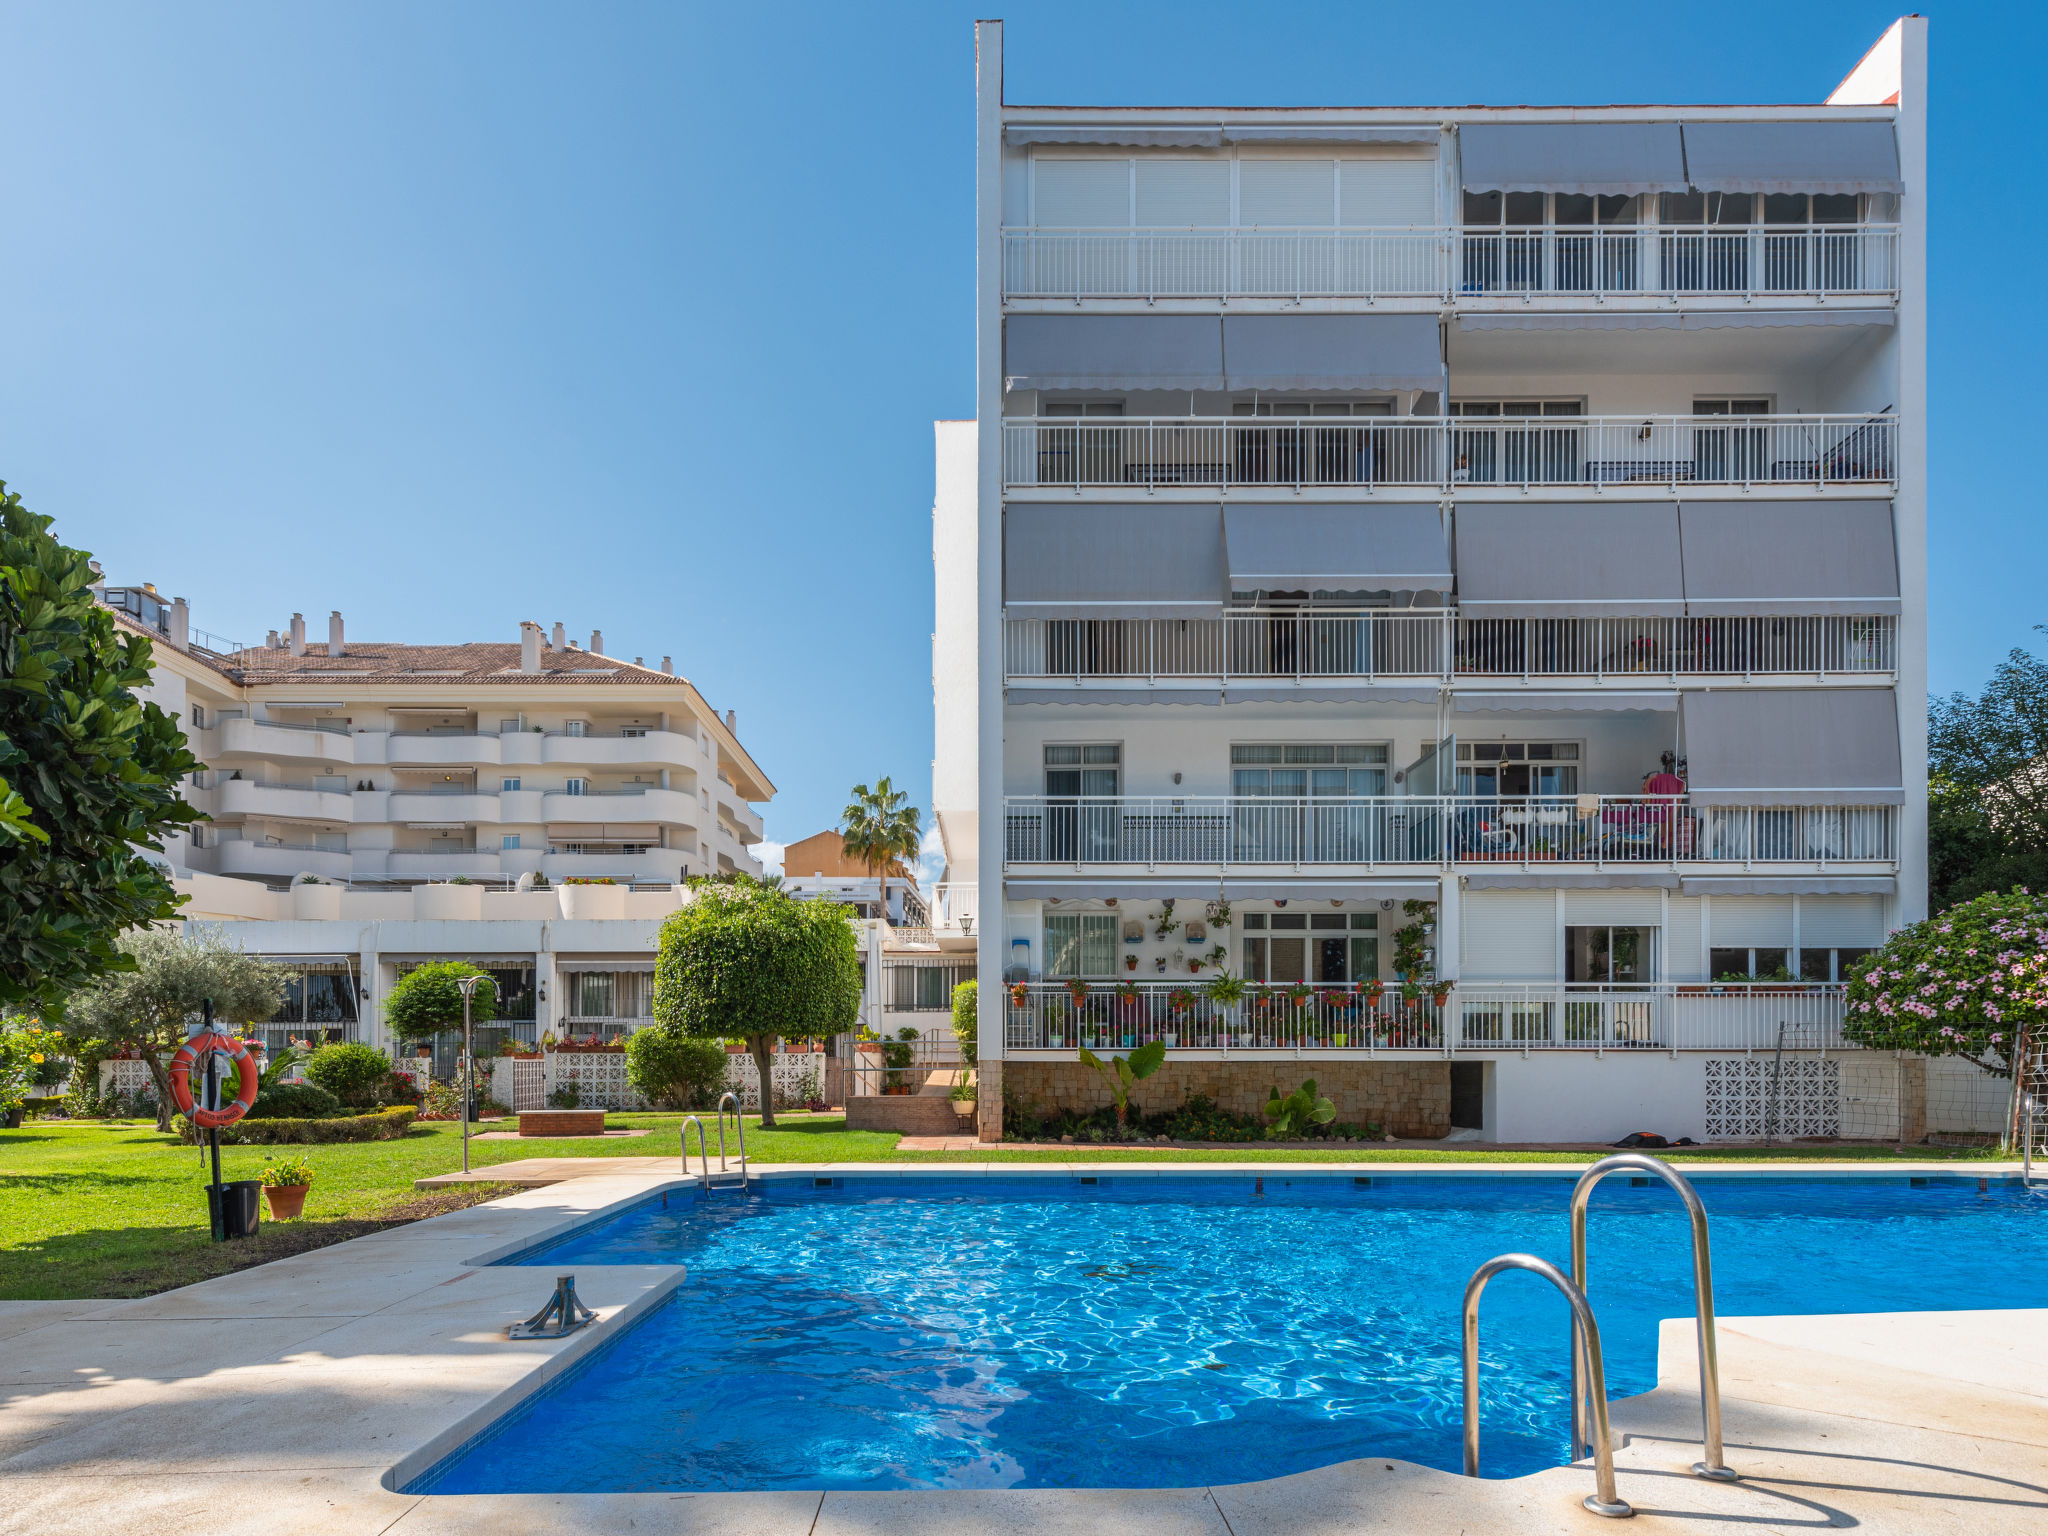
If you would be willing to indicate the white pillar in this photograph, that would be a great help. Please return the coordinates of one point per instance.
(988, 252)
(1910, 508)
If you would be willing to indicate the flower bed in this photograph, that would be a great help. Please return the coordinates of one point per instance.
(376, 1125)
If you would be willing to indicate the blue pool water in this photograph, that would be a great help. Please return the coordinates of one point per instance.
(996, 1332)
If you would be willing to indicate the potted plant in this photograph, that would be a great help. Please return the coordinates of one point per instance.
(1440, 993)
(1130, 962)
(1219, 914)
(1226, 995)
(1167, 922)
(285, 1182)
(1020, 994)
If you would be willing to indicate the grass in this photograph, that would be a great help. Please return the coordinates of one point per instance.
(90, 1209)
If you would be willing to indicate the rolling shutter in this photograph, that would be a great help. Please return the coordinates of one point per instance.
(1176, 193)
(1386, 193)
(1081, 194)
(1285, 193)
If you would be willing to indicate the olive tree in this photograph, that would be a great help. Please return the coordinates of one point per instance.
(744, 961)
(90, 774)
(153, 1004)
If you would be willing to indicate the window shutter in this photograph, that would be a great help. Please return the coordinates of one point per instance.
(1387, 192)
(1287, 192)
(1091, 194)
(1174, 193)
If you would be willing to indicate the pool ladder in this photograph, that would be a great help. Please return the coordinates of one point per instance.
(725, 1177)
(1588, 1369)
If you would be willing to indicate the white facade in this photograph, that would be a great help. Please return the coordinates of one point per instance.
(1516, 510)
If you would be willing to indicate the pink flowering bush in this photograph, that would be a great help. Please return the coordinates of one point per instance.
(1971, 982)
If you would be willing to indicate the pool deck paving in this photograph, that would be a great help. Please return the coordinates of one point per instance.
(297, 1396)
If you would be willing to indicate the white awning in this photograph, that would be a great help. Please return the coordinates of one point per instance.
(1740, 319)
(1792, 157)
(1119, 352)
(1137, 138)
(1793, 746)
(1420, 133)
(1103, 890)
(1543, 322)
(1160, 560)
(1612, 159)
(581, 966)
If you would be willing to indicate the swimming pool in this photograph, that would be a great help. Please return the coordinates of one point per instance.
(1140, 1331)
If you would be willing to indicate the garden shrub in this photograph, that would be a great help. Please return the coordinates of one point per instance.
(295, 1101)
(354, 1074)
(674, 1070)
(376, 1125)
(966, 1019)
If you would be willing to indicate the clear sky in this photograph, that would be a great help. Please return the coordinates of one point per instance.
(637, 316)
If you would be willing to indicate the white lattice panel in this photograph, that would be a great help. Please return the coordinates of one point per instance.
(417, 1070)
(1739, 1097)
(599, 1078)
(126, 1077)
(529, 1084)
(793, 1076)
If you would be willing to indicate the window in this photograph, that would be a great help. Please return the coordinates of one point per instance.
(1610, 954)
(508, 785)
(1317, 408)
(576, 728)
(574, 786)
(1513, 451)
(325, 993)
(1090, 771)
(1083, 408)
(1767, 964)
(1308, 770)
(1533, 210)
(1079, 944)
(596, 992)
(1830, 964)
(508, 841)
(1722, 405)
(199, 717)
(1512, 769)
(925, 988)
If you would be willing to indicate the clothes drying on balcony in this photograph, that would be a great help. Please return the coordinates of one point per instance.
(1790, 557)
(1789, 747)
(1601, 159)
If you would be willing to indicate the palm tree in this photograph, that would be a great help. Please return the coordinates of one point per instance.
(880, 827)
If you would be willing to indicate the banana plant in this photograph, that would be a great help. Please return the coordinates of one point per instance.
(1120, 1072)
(1296, 1112)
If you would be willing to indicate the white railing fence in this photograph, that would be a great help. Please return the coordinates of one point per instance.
(1220, 830)
(1441, 452)
(1811, 260)
(955, 904)
(1198, 263)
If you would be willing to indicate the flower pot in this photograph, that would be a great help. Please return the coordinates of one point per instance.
(1169, 1037)
(1340, 1041)
(1130, 962)
(287, 1201)
(593, 903)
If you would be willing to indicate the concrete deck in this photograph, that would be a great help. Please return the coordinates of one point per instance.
(296, 1395)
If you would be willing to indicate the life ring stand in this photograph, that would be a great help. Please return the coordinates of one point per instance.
(181, 1079)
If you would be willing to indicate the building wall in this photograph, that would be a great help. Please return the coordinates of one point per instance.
(1408, 1098)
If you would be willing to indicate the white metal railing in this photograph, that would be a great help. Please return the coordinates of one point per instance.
(1757, 261)
(1485, 1016)
(293, 725)
(1209, 263)
(1606, 830)
(955, 905)
(1368, 644)
(1446, 452)
(220, 645)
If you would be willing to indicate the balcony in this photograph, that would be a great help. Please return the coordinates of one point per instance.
(467, 806)
(955, 906)
(1602, 831)
(286, 739)
(421, 864)
(649, 803)
(328, 857)
(1263, 453)
(1365, 646)
(1682, 262)
(1474, 1017)
(284, 802)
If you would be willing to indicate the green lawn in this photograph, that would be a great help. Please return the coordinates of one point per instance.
(116, 1210)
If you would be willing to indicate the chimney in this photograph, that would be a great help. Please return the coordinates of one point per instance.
(668, 666)
(597, 642)
(298, 634)
(271, 642)
(639, 661)
(180, 619)
(559, 644)
(529, 646)
(334, 646)
(732, 722)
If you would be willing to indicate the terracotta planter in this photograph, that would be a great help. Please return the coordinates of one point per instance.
(287, 1201)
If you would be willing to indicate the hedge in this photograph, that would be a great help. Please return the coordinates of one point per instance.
(378, 1125)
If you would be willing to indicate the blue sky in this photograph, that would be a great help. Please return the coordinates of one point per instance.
(637, 316)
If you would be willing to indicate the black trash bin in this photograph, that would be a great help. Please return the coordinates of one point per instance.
(236, 1209)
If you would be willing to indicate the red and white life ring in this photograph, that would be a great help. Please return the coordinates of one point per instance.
(188, 1057)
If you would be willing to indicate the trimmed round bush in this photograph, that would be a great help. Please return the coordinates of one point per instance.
(352, 1073)
(295, 1101)
(675, 1070)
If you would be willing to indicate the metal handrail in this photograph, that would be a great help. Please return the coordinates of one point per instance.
(1703, 1299)
(703, 1148)
(1603, 1500)
(739, 1125)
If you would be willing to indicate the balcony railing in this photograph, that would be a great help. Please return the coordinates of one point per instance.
(1366, 645)
(955, 905)
(1441, 453)
(1603, 830)
(1473, 1017)
(1776, 260)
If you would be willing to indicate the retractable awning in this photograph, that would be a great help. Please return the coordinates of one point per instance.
(1071, 694)
(1787, 746)
(1569, 560)
(1137, 138)
(1792, 157)
(1584, 880)
(1337, 547)
(1120, 352)
(1790, 557)
(1612, 159)
(1585, 701)
(1144, 560)
(1318, 352)
(1420, 133)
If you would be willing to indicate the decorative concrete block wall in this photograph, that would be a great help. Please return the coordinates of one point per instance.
(1410, 1098)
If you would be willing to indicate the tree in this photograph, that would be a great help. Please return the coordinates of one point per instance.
(153, 1003)
(353, 1072)
(743, 961)
(880, 827)
(427, 1001)
(675, 1071)
(967, 1019)
(1987, 796)
(91, 773)
(1121, 1072)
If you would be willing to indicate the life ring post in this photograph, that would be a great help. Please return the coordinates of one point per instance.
(219, 1200)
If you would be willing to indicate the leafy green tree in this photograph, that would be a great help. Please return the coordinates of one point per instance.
(675, 1071)
(154, 1003)
(91, 773)
(428, 1000)
(742, 961)
(1987, 796)
(967, 1019)
(879, 828)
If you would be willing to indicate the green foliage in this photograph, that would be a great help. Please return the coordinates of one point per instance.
(967, 1019)
(287, 1172)
(1411, 940)
(377, 1125)
(1987, 792)
(879, 828)
(1122, 1072)
(91, 773)
(280, 1063)
(1225, 990)
(294, 1101)
(674, 1070)
(567, 1096)
(1971, 982)
(352, 1072)
(1290, 1116)
(902, 1051)
(25, 1048)
(427, 1001)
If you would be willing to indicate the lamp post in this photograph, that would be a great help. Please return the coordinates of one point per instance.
(468, 986)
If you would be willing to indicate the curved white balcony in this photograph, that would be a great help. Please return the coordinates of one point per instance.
(403, 865)
(281, 860)
(648, 749)
(656, 864)
(439, 806)
(404, 749)
(245, 797)
(653, 804)
(279, 739)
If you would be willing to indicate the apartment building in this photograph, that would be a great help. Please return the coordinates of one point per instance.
(1516, 511)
